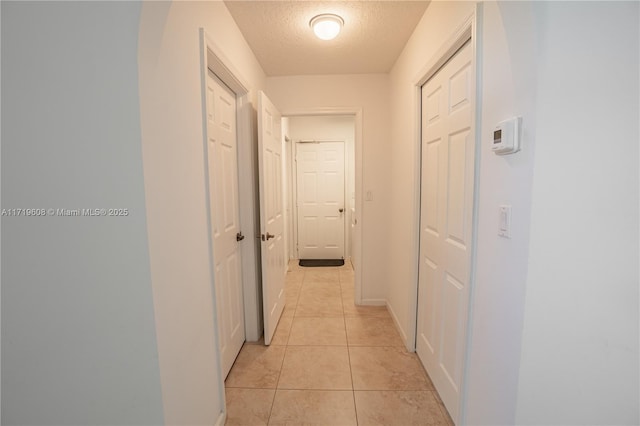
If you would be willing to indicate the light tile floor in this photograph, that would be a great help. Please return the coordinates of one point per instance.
(330, 363)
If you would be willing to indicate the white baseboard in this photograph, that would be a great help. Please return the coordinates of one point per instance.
(403, 334)
(222, 418)
(374, 302)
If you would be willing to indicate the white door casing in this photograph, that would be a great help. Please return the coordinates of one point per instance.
(320, 200)
(222, 153)
(446, 223)
(271, 213)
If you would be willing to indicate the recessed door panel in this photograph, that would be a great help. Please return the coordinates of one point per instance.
(432, 105)
(429, 298)
(310, 194)
(310, 230)
(431, 185)
(450, 354)
(456, 191)
(459, 85)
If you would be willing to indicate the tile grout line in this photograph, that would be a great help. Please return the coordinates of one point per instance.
(275, 393)
(441, 407)
(344, 322)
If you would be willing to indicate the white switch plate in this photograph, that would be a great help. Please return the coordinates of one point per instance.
(504, 221)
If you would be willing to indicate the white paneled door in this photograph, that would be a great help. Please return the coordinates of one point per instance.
(448, 157)
(271, 213)
(320, 200)
(222, 152)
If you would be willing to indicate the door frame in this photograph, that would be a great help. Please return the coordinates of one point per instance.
(357, 249)
(212, 58)
(469, 31)
(294, 191)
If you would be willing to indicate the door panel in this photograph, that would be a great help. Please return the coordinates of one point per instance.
(446, 224)
(271, 214)
(320, 173)
(225, 218)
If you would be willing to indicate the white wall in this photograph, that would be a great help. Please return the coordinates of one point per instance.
(580, 339)
(579, 357)
(509, 59)
(331, 128)
(369, 92)
(172, 142)
(78, 332)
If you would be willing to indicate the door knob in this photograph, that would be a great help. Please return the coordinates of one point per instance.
(239, 236)
(268, 237)
(340, 210)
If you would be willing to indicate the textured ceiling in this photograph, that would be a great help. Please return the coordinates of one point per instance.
(373, 36)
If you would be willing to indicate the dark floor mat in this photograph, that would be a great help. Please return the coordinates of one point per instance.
(321, 262)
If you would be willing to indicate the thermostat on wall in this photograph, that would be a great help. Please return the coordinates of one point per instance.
(506, 136)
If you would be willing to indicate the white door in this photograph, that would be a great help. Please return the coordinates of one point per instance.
(271, 213)
(448, 156)
(320, 200)
(222, 155)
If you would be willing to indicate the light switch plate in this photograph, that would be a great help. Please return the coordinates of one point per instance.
(504, 221)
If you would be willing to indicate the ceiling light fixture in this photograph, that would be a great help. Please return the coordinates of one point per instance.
(326, 26)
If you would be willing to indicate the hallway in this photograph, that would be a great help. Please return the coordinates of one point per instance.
(330, 363)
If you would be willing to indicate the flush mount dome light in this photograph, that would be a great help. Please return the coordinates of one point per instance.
(326, 26)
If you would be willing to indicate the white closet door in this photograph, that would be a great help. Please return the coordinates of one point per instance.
(448, 153)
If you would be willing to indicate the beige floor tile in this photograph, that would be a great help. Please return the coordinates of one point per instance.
(318, 332)
(321, 289)
(347, 290)
(311, 305)
(256, 367)
(315, 367)
(293, 279)
(315, 372)
(372, 331)
(443, 409)
(352, 310)
(397, 408)
(387, 368)
(281, 336)
(294, 265)
(291, 297)
(322, 275)
(248, 406)
(346, 277)
(289, 310)
(313, 407)
(295, 276)
(292, 285)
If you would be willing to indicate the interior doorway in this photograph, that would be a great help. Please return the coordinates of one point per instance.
(226, 233)
(320, 199)
(321, 186)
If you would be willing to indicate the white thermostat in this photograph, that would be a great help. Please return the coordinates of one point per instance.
(506, 136)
